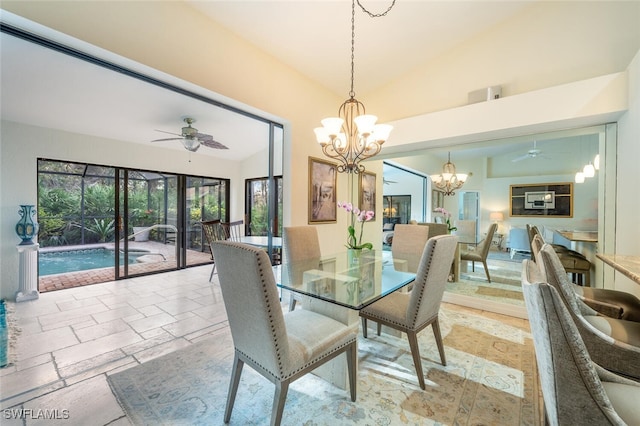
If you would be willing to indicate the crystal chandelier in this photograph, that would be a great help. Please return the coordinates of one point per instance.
(353, 136)
(448, 181)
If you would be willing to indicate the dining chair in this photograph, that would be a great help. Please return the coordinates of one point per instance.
(300, 243)
(609, 302)
(233, 231)
(281, 347)
(612, 343)
(575, 263)
(481, 251)
(212, 232)
(575, 390)
(412, 312)
(408, 244)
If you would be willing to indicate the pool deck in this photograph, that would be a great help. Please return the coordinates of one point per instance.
(161, 257)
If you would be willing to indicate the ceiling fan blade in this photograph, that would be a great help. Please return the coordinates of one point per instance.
(167, 139)
(169, 133)
(213, 144)
(522, 157)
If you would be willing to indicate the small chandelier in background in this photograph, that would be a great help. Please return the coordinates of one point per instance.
(353, 136)
(448, 181)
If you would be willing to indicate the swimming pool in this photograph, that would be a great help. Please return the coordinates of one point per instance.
(59, 262)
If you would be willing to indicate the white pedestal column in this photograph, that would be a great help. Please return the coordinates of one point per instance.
(28, 272)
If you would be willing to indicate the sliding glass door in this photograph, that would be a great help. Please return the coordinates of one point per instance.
(101, 223)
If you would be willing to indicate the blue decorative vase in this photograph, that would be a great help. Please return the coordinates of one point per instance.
(27, 228)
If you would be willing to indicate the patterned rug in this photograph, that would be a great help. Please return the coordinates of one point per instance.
(8, 334)
(490, 378)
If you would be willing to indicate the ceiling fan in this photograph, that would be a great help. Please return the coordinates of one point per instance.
(191, 139)
(387, 181)
(532, 153)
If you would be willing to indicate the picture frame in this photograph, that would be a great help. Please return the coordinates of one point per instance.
(323, 203)
(437, 199)
(368, 192)
(541, 199)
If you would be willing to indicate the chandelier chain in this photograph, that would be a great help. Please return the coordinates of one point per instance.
(352, 93)
(376, 15)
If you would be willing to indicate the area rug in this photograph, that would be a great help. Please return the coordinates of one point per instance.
(490, 378)
(8, 334)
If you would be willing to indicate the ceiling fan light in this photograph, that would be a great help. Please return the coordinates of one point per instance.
(579, 177)
(191, 144)
(589, 170)
(596, 162)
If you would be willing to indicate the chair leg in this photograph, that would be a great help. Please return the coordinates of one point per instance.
(213, 270)
(292, 302)
(486, 270)
(473, 266)
(379, 329)
(236, 371)
(364, 327)
(415, 353)
(436, 333)
(352, 362)
(279, 399)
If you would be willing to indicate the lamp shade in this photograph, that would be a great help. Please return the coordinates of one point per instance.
(496, 216)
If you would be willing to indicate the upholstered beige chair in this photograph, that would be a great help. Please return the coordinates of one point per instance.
(612, 303)
(299, 243)
(612, 343)
(281, 347)
(575, 391)
(212, 232)
(408, 243)
(412, 312)
(481, 251)
(435, 228)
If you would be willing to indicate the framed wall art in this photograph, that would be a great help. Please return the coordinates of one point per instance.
(544, 199)
(322, 191)
(368, 192)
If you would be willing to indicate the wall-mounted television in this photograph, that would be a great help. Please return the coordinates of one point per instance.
(540, 200)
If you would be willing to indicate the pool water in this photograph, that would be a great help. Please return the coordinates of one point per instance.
(80, 260)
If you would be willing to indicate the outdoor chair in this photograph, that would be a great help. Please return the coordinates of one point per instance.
(575, 391)
(412, 312)
(233, 231)
(281, 347)
(212, 232)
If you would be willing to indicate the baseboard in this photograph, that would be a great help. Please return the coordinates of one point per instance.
(486, 305)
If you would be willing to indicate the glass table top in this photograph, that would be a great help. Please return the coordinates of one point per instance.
(349, 279)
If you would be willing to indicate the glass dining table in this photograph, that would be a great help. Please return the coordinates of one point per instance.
(349, 279)
(340, 284)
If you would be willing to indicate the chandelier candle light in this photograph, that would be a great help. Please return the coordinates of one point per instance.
(353, 136)
(448, 181)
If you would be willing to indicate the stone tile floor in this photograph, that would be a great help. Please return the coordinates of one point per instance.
(71, 339)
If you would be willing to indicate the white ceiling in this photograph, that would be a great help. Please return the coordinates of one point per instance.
(314, 37)
(45, 88)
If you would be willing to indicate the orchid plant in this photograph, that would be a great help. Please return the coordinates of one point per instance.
(357, 216)
(447, 217)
